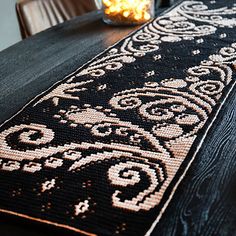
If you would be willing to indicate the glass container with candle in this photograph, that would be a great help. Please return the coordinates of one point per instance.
(128, 12)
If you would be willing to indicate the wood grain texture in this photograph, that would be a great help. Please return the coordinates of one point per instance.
(205, 201)
(38, 62)
(33, 65)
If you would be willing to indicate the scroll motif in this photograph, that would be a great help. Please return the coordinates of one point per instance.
(182, 23)
(116, 147)
(175, 109)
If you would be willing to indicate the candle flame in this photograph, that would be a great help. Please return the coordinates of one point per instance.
(128, 10)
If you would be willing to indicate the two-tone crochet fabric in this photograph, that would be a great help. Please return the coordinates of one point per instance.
(103, 151)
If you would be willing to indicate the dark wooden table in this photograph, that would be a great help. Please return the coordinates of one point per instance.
(205, 202)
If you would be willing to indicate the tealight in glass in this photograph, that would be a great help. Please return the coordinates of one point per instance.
(127, 12)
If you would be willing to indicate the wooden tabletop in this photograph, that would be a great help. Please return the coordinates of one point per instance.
(36, 63)
(205, 201)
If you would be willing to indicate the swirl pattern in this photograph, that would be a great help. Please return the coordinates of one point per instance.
(177, 25)
(114, 139)
(127, 174)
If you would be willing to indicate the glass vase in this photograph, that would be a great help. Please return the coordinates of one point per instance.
(128, 12)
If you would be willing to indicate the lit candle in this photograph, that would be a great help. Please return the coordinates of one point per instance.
(126, 12)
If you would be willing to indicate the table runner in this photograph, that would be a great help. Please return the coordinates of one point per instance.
(103, 151)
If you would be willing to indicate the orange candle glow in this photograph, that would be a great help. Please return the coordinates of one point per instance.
(128, 11)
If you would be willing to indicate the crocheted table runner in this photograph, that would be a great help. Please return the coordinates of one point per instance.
(103, 151)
